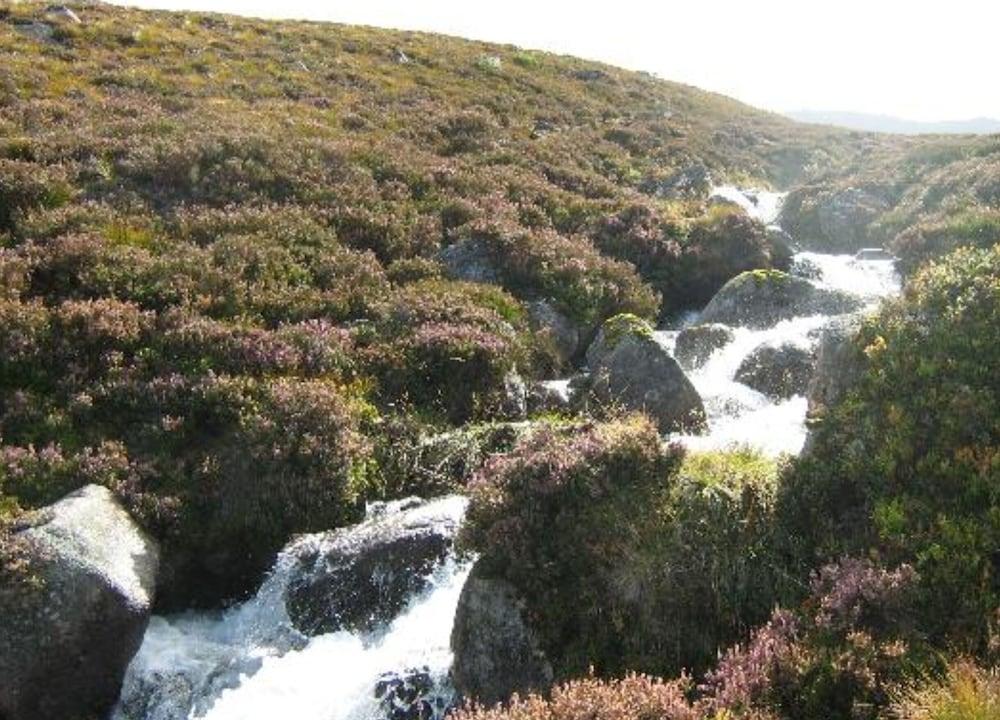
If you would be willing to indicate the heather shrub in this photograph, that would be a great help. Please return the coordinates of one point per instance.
(687, 260)
(562, 517)
(631, 558)
(586, 285)
(634, 697)
(716, 571)
(25, 186)
(839, 656)
(235, 467)
(905, 467)
(446, 347)
(933, 238)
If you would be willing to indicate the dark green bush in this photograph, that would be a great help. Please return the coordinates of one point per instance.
(629, 557)
(905, 467)
(562, 517)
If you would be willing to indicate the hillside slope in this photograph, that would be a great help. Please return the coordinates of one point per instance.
(234, 253)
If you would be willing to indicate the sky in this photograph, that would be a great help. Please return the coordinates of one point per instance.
(927, 60)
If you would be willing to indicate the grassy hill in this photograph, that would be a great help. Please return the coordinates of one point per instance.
(219, 236)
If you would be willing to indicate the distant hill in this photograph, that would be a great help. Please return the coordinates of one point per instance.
(889, 124)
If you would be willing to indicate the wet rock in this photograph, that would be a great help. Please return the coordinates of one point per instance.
(696, 344)
(805, 268)
(832, 219)
(412, 695)
(781, 252)
(470, 260)
(778, 371)
(874, 254)
(496, 652)
(555, 331)
(629, 368)
(359, 578)
(760, 299)
(839, 363)
(67, 639)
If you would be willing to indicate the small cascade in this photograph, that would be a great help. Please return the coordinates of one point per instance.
(251, 662)
(739, 415)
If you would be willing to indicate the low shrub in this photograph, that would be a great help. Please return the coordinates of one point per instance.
(562, 517)
(936, 237)
(965, 692)
(630, 558)
(905, 467)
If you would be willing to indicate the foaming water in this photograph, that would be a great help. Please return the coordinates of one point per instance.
(763, 205)
(250, 662)
(740, 416)
(869, 279)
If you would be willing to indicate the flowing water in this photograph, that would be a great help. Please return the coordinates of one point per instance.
(250, 663)
(739, 415)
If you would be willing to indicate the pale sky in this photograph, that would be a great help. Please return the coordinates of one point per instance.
(916, 59)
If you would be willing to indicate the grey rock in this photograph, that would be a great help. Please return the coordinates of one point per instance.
(67, 642)
(496, 652)
(37, 30)
(631, 369)
(839, 363)
(359, 578)
(554, 330)
(515, 397)
(696, 344)
(778, 371)
(63, 13)
(833, 218)
(470, 260)
(759, 300)
(691, 182)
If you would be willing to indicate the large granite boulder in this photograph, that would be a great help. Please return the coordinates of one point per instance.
(496, 652)
(696, 344)
(360, 577)
(839, 363)
(762, 298)
(73, 617)
(778, 371)
(471, 260)
(629, 368)
(834, 219)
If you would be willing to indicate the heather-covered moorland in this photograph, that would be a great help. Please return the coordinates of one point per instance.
(255, 275)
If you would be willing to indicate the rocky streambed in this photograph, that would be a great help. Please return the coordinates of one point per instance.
(363, 623)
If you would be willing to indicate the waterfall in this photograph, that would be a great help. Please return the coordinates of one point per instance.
(250, 661)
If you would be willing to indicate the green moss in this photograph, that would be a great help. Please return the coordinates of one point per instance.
(625, 325)
(768, 277)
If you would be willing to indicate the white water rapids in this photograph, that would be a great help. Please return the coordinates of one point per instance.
(249, 662)
(739, 415)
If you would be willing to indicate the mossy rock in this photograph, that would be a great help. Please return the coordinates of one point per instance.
(759, 299)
